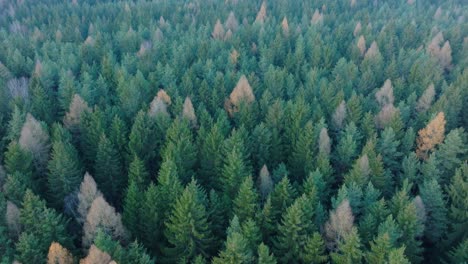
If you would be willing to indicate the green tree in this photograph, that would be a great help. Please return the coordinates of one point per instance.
(436, 211)
(188, 231)
(211, 159)
(65, 172)
(108, 170)
(42, 226)
(302, 156)
(233, 173)
(180, 148)
(314, 250)
(245, 204)
(264, 256)
(458, 211)
(349, 249)
(451, 153)
(293, 230)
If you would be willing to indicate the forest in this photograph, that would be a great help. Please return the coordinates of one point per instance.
(233, 131)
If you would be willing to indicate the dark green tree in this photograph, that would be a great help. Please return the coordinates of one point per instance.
(188, 230)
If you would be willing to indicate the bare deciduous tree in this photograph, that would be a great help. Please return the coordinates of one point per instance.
(18, 88)
(96, 256)
(385, 115)
(426, 99)
(35, 139)
(373, 50)
(261, 15)
(88, 193)
(361, 44)
(339, 224)
(317, 17)
(59, 255)
(12, 218)
(324, 142)
(102, 216)
(188, 111)
(384, 95)
(241, 93)
(78, 106)
(357, 29)
(339, 115)
(265, 182)
(285, 26)
(231, 22)
(218, 31)
(420, 209)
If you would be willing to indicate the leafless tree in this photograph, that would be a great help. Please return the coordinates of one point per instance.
(339, 224)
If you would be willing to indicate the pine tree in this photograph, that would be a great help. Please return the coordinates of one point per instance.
(451, 153)
(187, 228)
(314, 250)
(42, 226)
(65, 172)
(436, 211)
(281, 198)
(233, 173)
(180, 148)
(211, 159)
(141, 142)
(35, 139)
(293, 230)
(458, 212)
(301, 159)
(264, 256)
(245, 204)
(91, 130)
(348, 250)
(108, 170)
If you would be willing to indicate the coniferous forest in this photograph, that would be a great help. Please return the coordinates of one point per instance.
(236, 131)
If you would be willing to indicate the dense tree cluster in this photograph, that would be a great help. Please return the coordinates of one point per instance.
(233, 131)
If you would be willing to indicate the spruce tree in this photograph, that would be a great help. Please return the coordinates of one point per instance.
(245, 204)
(349, 249)
(65, 172)
(188, 231)
(108, 170)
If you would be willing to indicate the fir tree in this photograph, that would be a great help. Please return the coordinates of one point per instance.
(187, 228)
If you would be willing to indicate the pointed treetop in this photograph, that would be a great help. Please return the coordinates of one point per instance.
(340, 114)
(188, 111)
(339, 225)
(285, 26)
(431, 136)
(373, 50)
(384, 95)
(242, 92)
(231, 22)
(357, 29)
(78, 106)
(265, 182)
(438, 13)
(324, 142)
(425, 101)
(234, 56)
(96, 256)
(218, 31)
(353, 3)
(59, 255)
(361, 44)
(261, 15)
(317, 18)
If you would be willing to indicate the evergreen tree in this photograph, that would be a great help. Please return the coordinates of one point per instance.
(108, 170)
(293, 231)
(42, 226)
(301, 159)
(245, 204)
(436, 211)
(451, 153)
(180, 148)
(458, 212)
(314, 250)
(348, 250)
(264, 256)
(211, 159)
(187, 228)
(65, 172)
(233, 173)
